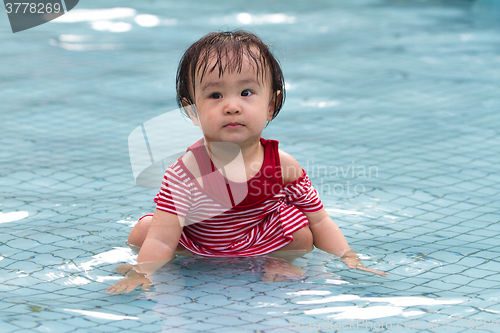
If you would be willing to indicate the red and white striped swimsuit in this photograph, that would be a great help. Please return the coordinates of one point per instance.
(261, 223)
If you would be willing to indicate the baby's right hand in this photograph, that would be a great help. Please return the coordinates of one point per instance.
(351, 260)
(131, 281)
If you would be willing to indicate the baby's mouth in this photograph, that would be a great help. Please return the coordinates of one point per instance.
(234, 125)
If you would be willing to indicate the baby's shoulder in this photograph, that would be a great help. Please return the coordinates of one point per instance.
(190, 162)
(290, 168)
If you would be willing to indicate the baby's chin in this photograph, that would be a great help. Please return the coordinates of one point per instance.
(239, 139)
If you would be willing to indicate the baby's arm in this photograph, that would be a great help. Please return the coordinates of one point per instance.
(158, 248)
(326, 234)
(328, 237)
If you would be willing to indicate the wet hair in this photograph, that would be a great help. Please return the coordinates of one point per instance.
(229, 50)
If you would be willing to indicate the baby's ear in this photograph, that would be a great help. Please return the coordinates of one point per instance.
(278, 96)
(275, 100)
(191, 111)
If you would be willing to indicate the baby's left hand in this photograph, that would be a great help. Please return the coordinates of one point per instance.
(351, 260)
(129, 284)
(123, 269)
(131, 281)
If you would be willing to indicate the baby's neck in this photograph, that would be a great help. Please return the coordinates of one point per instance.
(235, 159)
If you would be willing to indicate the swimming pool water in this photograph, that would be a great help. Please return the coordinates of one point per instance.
(392, 109)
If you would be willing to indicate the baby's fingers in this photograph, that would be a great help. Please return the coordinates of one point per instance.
(120, 287)
(131, 288)
(146, 286)
(116, 289)
(123, 269)
(373, 271)
(128, 285)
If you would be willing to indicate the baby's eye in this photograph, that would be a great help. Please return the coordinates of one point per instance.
(246, 93)
(216, 95)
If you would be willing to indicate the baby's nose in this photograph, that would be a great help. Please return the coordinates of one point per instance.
(232, 106)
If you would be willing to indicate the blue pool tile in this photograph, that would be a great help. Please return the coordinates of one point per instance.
(485, 233)
(255, 327)
(452, 241)
(8, 327)
(71, 292)
(489, 217)
(450, 269)
(485, 284)
(227, 320)
(22, 244)
(440, 285)
(406, 202)
(472, 261)
(474, 273)
(46, 238)
(441, 202)
(455, 312)
(466, 250)
(491, 265)
(108, 328)
(487, 254)
(231, 329)
(431, 216)
(201, 326)
(470, 238)
(448, 211)
(81, 323)
(468, 290)
(55, 326)
(453, 220)
(5, 262)
(486, 209)
(126, 324)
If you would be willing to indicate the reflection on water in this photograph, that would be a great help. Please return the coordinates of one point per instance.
(426, 281)
(193, 289)
(326, 292)
(102, 315)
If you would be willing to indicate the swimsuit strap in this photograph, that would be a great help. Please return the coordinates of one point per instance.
(262, 185)
(212, 182)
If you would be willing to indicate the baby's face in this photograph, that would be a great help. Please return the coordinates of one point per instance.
(234, 107)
